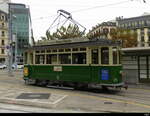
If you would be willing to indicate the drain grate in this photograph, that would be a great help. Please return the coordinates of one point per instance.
(107, 102)
(33, 96)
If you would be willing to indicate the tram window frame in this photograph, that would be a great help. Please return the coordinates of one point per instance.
(115, 55)
(75, 49)
(94, 57)
(77, 59)
(83, 49)
(64, 58)
(50, 59)
(54, 50)
(31, 58)
(39, 60)
(105, 55)
(68, 50)
(61, 50)
(120, 56)
(26, 57)
(48, 51)
(42, 51)
(37, 51)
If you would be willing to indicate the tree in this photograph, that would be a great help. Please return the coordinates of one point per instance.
(72, 31)
(128, 37)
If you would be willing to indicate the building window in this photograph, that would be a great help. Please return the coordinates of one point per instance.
(2, 17)
(2, 51)
(136, 24)
(3, 33)
(148, 22)
(3, 42)
(3, 24)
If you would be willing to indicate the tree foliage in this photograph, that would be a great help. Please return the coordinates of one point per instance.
(128, 37)
(72, 31)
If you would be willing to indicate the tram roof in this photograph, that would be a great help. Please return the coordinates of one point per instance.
(81, 43)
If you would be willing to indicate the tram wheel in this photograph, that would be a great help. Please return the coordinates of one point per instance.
(104, 88)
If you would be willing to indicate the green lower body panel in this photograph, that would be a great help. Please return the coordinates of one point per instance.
(86, 74)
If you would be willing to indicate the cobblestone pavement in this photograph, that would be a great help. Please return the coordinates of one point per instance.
(135, 99)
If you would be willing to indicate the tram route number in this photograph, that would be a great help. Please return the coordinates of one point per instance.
(57, 68)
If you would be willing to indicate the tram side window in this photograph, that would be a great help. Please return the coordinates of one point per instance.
(31, 58)
(115, 55)
(39, 59)
(51, 59)
(120, 57)
(94, 56)
(79, 58)
(48, 59)
(105, 55)
(65, 58)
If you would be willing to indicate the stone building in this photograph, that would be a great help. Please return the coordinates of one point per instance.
(140, 24)
(102, 30)
(3, 36)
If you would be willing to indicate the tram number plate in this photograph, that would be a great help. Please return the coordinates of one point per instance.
(57, 68)
(105, 74)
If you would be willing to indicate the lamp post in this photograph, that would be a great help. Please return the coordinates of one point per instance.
(15, 41)
(10, 41)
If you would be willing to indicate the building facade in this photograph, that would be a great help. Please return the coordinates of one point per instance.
(102, 30)
(140, 24)
(3, 36)
(20, 29)
(4, 5)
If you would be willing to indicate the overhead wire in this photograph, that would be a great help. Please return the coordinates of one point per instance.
(85, 9)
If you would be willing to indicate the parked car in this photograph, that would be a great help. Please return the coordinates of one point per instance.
(3, 66)
(18, 66)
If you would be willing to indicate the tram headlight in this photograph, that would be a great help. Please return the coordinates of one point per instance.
(26, 71)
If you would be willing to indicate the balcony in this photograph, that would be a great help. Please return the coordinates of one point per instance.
(3, 27)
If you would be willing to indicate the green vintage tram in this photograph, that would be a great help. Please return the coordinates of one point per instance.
(78, 63)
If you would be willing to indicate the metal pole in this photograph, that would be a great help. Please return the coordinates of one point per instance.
(10, 42)
(16, 49)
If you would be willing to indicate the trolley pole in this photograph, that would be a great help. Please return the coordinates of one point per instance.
(10, 54)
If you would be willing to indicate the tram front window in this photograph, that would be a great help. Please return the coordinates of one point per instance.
(105, 55)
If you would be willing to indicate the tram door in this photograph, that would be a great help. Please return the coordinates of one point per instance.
(144, 66)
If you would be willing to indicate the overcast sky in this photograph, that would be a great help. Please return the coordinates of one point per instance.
(87, 12)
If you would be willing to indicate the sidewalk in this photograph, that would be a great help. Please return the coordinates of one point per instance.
(140, 86)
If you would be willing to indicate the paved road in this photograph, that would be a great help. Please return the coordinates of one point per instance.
(135, 99)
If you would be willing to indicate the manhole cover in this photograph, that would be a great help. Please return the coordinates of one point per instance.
(33, 96)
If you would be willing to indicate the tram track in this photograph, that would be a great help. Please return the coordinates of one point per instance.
(125, 97)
